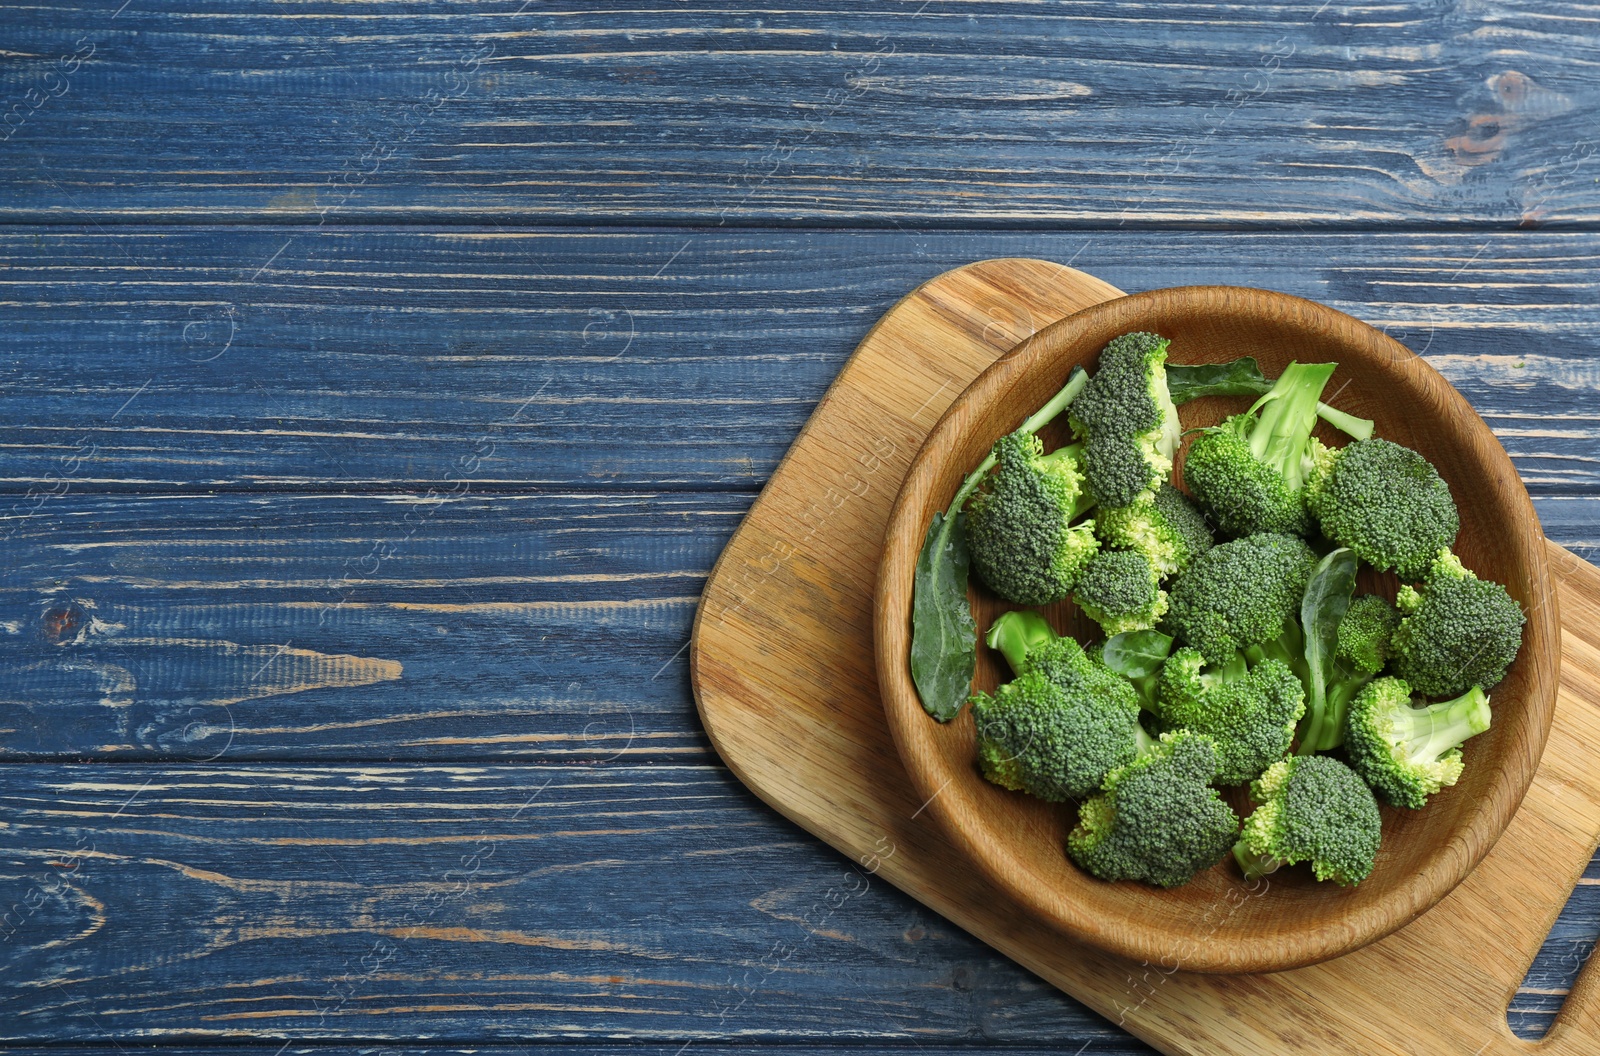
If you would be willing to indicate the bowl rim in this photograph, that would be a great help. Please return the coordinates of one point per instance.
(912, 728)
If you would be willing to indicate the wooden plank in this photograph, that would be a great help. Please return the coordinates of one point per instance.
(1100, 1047)
(344, 902)
(968, 111)
(543, 627)
(372, 359)
(540, 628)
(468, 903)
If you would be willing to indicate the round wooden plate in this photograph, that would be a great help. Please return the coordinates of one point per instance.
(1218, 922)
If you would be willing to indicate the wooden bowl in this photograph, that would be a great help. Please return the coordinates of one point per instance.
(1219, 922)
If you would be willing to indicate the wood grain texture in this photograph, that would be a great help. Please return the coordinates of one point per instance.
(951, 111)
(331, 395)
(466, 904)
(139, 359)
(243, 900)
(781, 696)
(194, 545)
(1566, 949)
(540, 628)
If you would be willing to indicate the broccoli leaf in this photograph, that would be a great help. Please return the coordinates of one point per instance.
(944, 645)
(1327, 597)
(1190, 381)
(1136, 654)
(944, 637)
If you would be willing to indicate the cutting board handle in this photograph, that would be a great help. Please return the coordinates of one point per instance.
(1578, 1025)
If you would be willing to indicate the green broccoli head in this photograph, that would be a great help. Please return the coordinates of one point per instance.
(1365, 634)
(1165, 527)
(1071, 666)
(1240, 593)
(1057, 729)
(1387, 504)
(1244, 495)
(1018, 527)
(1120, 591)
(1319, 471)
(1250, 712)
(1158, 820)
(1127, 420)
(1455, 632)
(1250, 471)
(1313, 808)
(1408, 753)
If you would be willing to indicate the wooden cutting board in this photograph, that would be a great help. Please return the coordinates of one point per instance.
(782, 666)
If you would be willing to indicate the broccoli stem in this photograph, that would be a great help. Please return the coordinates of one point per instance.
(1311, 732)
(1440, 727)
(1289, 648)
(1018, 633)
(1070, 451)
(1232, 670)
(1074, 452)
(1288, 413)
(942, 647)
(1143, 740)
(1349, 424)
(1255, 866)
(1036, 421)
(1341, 692)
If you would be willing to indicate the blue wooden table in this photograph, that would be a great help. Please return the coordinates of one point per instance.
(381, 381)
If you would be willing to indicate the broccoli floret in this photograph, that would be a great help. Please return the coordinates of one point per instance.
(1018, 527)
(1165, 527)
(1240, 593)
(1158, 819)
(1288, 648)
(1058, 728)
(1250, 471)
(1456, 631)
(1408, 753)
(1313, 809)
(1026, 639)
(1249, 712)
(1120, 591)
(1127, 420)
(1388, 505)
(1365, 634)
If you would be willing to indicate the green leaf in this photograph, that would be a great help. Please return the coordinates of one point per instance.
(1190, 381)
(944, 648)
(1136, 654)
(944, 638)
(1326, 600)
